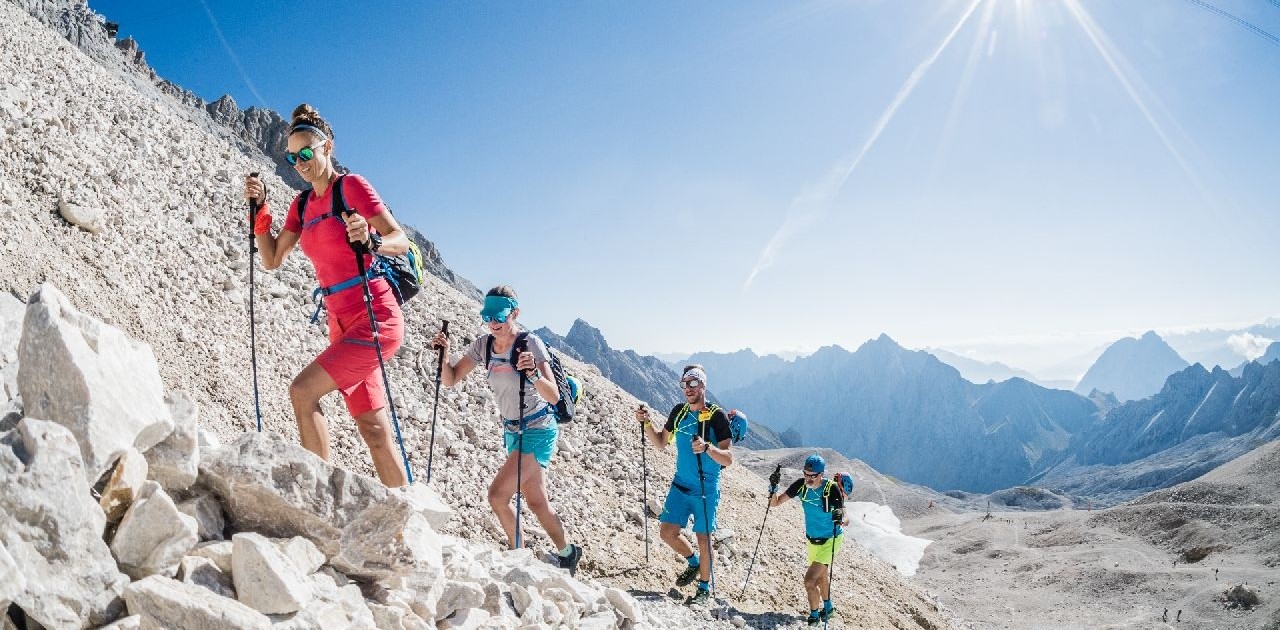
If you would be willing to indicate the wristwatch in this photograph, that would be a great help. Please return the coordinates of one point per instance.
(375, 242)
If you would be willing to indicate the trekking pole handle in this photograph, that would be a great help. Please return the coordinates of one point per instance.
(444, 328)
(359, 248)
(254, 202)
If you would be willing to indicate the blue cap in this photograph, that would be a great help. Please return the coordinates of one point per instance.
(815, 463)
(498, 307)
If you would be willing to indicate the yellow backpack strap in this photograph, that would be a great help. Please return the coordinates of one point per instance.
(675, 427)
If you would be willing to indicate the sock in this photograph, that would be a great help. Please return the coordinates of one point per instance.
(826, 605)
(703, 586)
(564, 553)
(692, 560)
(814, 613)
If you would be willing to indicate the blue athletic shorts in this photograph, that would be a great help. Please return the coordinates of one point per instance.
(683, 503)
(541, 443)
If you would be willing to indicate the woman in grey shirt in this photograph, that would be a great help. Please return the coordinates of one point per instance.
(516, 364)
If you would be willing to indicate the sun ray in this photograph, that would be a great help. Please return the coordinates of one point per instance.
(812, 203)
(983, 42)
(1109, 55)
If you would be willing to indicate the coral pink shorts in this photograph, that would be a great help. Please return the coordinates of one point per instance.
(351, 361)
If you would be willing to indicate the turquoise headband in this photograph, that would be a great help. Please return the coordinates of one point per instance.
(495, 304)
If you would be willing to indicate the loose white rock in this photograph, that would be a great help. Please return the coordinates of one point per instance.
(207, 512)
(174, 462)
(51, 530)
(153, 536)
(165, 604)
(123, 485)
(264, 578)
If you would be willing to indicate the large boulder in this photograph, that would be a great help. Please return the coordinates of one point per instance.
(154, 535)
(51, 529)
(164, 604)
(91, 378)
(174, 462)
(275, 487)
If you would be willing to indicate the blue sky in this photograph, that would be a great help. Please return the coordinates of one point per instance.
(1062, 170)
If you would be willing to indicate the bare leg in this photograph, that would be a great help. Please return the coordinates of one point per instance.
(813, 581)
(375, 428)
(704, 551)
(535, 495)
(500, 493)
(670, 533)
(305, 392)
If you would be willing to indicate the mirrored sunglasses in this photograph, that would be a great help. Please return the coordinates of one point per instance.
(306, 154)
(692, 383)
(501, 319)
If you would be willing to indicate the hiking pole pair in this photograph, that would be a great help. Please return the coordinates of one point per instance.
(254, 205)
(435, 409)
(773, 489)
(360, 250)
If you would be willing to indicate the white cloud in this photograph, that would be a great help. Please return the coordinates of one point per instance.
(1248, 345)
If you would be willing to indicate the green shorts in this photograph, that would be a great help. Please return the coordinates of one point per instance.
(821, 553)
(541, 443)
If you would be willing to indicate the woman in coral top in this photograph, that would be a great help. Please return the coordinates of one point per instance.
(349, 364)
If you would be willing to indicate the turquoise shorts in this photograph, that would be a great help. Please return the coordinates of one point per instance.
(541, 443)
(683, 503)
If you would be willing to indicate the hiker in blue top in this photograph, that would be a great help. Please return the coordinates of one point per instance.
(703, 440)
(823, 503)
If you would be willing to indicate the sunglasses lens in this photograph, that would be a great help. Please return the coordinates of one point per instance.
(306, 154)
(291, 158)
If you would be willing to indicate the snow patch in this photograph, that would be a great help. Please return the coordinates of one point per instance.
(876, 528)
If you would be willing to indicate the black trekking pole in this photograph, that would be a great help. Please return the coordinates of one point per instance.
(360, 249)
(777, 472)
(644, 501)
(836, 516)
(519, 439)
(706, 514)
(254, 205)
(431, 452)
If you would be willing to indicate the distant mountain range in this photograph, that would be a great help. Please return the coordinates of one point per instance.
(1132, 368)
(914, 416)
(642, 376)
(909, 415)
(732, 370)
(976, 371)
(1199, 420)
